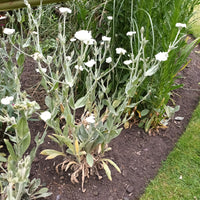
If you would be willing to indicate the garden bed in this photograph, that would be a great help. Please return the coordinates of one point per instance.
(138, 155)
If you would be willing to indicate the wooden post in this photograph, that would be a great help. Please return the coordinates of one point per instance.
(6, 5)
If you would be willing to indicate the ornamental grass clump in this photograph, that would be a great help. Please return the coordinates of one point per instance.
(159, 19)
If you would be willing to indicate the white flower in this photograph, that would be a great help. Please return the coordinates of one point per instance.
(7, 100)
(64, 10)
(73, 39)
(181, 177)
(68, 58)
(70, 84)
(180, 25)
(45, 115)
(162, 56)
(83, 35)
(106, 39)
(3, 17)
(8, 31)
(35, 33)
(110, 18)
(109, 60)
(120, 51)
(90, 119)
(37, 56)
(130, 33)
(128, 62)
(79, 67)
(44, 70)
(90, 63)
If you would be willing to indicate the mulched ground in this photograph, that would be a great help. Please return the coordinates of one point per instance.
(138, 155)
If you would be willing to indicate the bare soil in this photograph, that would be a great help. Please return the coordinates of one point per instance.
(138, 155)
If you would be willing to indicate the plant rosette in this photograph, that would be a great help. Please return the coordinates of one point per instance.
(85, 147)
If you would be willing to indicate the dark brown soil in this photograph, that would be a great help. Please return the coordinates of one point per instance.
(138, 155)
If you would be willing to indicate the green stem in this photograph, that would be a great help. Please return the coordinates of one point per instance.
(19, 193)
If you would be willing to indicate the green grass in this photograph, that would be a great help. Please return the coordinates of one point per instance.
(195, 22)
(183, 161)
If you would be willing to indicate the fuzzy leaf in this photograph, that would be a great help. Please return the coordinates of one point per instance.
(144, 112)
(90, 160)
(25, 143)
(23, 133)
(66, 141)
(3, 159)
(152, 70)
(27, 43)
(51, 153)
(149, 123)
(54, 139)
(80, 102)
(107, 170)
(20, 60)
(116, 103)
(113, 164)
(76, 147)
(71, 102)
(22, 128)
(10, 149)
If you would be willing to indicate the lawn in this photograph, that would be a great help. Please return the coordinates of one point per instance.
(179, 176)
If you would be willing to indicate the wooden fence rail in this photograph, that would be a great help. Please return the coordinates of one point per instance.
(13, 4)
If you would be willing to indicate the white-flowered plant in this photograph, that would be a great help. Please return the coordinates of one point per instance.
(83, 35)
(162, 56)
(131, 33)
(106, 39)
(84, 115)
(84, 124)
(110, 18)
(46, 115)
(180, 25)
(43, 69)
(14, 178)
(90, 63)
(64, 10)
(108, 60)
(120, 51)
(79, 67)
(128, 62)
(7, 100)
(90, 119)
(8, 31)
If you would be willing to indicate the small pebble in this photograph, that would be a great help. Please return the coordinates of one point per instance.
(125, 198)
(130, 189)
(58, 197)
(95, 193)
(124, 173)
(133, 168)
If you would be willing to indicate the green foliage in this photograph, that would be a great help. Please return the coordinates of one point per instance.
(15, 184)
(159, 20)
(15, 111)
(93, 85)
(194, 24)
